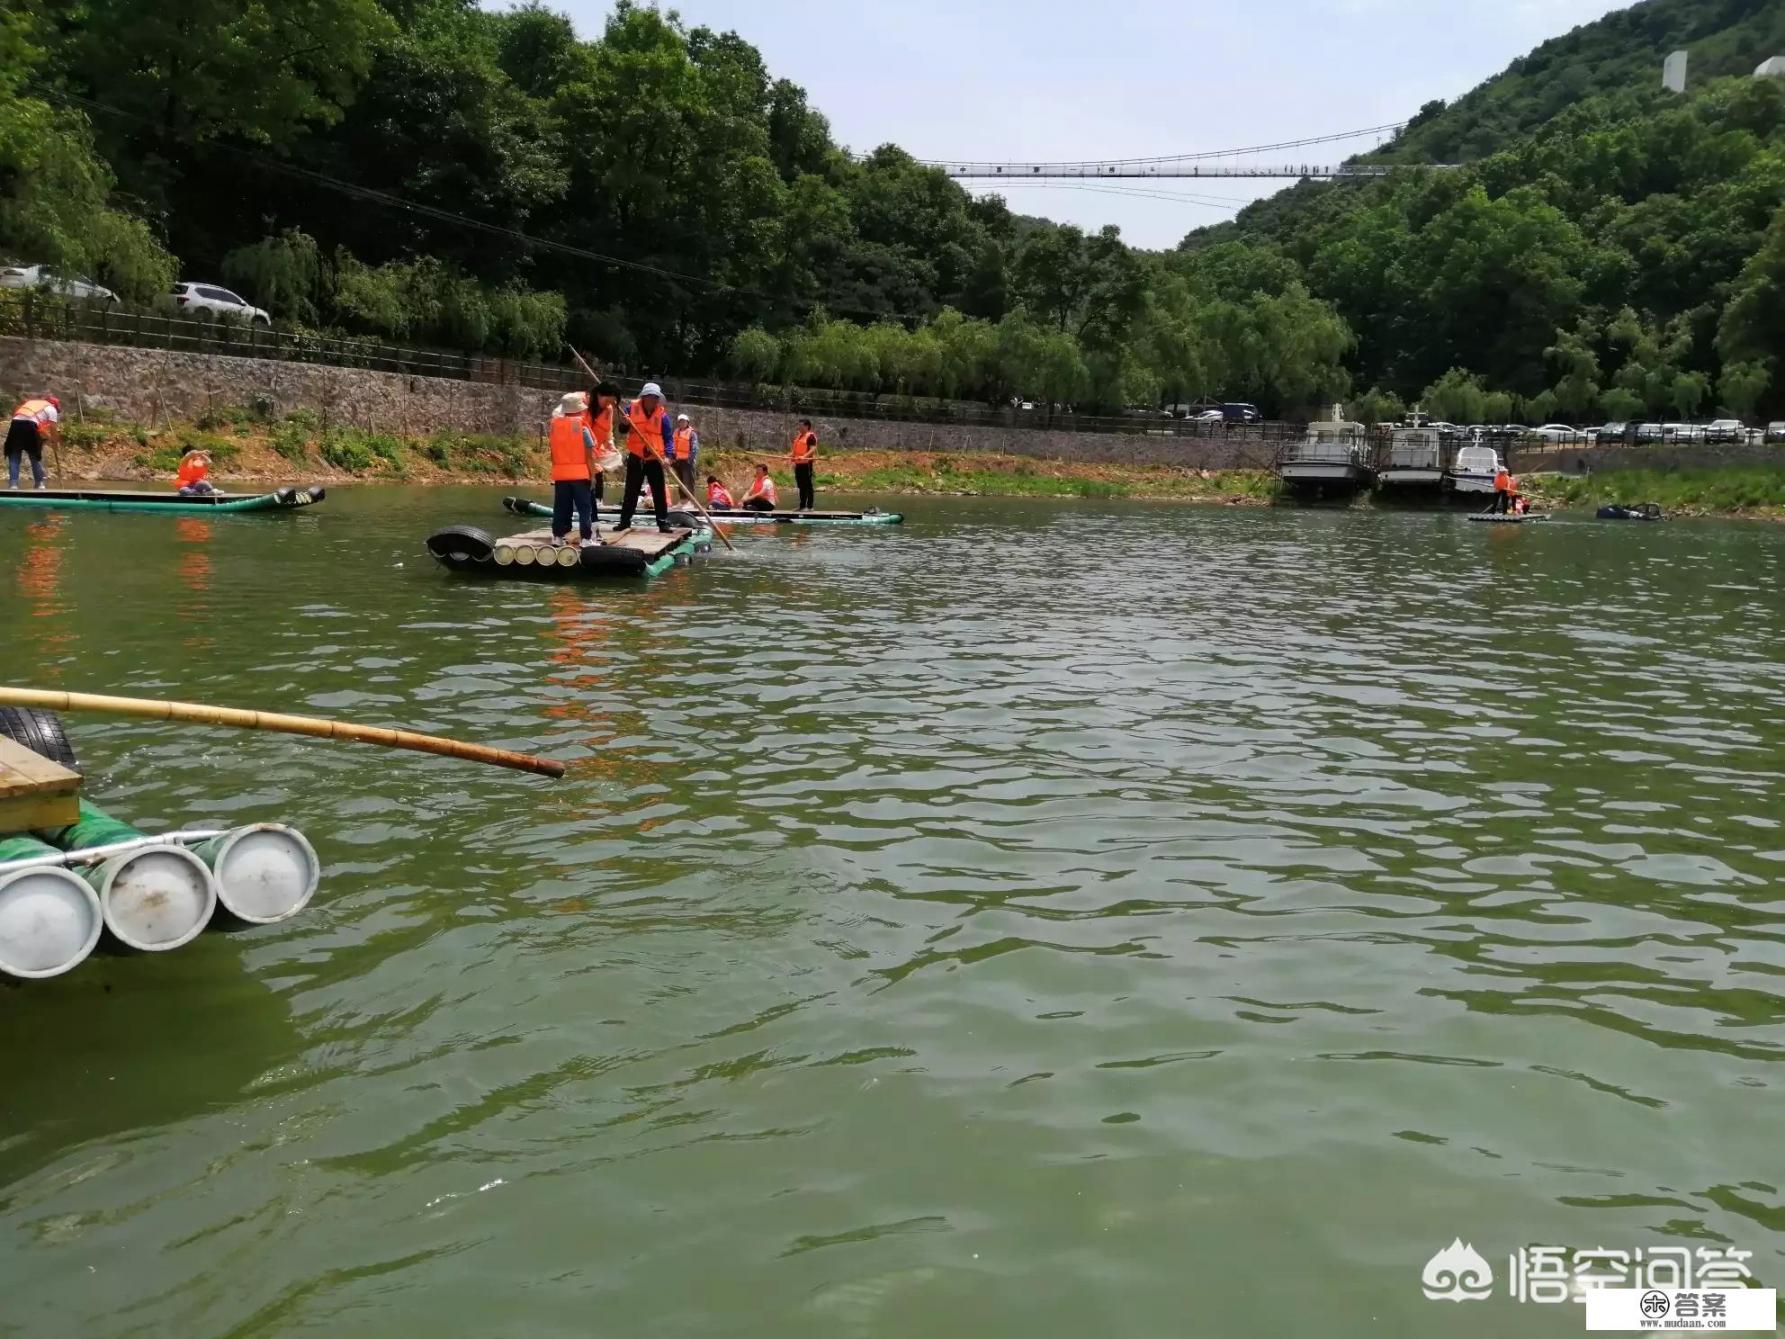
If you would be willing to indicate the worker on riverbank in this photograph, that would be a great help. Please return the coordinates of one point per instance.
(1502, 502)
(192, 479)
(761, 496)
(804, 456)
(650, 437)
(572, 441)
(685, 451)
(718, 495)
(34, 422)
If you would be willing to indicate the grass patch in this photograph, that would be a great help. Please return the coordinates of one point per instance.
(291, 441)
(85, 436)
(1745, 490)
(471, 453)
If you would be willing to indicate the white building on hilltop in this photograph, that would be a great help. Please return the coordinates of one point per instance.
(1771, 69)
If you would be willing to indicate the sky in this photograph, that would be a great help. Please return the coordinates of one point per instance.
(1047, 80)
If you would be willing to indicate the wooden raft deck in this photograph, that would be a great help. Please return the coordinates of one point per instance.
(35, 792)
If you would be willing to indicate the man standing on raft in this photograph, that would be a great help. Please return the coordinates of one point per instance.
(572, 442)
(804, 455)
(687, 451)
(650, 437)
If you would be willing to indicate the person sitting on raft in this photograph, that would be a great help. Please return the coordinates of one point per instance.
(572, 442)
(761, 496)
(718, 495)
(192, 480)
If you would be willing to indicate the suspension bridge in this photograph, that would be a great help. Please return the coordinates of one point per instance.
(1216, 163)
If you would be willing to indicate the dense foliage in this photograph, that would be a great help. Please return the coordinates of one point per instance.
(429, 171)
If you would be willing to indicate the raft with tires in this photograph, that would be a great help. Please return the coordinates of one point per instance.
(534, 555)
(684, 516)
(1646, 511)
(101, 499)
(1508, 518)
(74, 879)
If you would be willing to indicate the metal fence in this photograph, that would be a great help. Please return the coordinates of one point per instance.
(32, 315)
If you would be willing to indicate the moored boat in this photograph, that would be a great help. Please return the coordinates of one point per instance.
(1647, 511)
(1472, 473)
(1334, 458)
(101, 499)
(1412, 462)
(684, 516)
(533, 555)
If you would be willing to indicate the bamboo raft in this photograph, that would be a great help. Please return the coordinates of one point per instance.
(679, 515)
(1506, 518)
(532, 555)
(73, 878)
(101, 499)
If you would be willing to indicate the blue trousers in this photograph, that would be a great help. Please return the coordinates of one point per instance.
(568, 495)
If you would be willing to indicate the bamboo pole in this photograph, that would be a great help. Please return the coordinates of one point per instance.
(204, 714)
(669, 469)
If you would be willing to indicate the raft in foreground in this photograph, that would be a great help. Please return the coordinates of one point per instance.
(1506, 518)
(533, 556)
(100, 499)
(681, 515)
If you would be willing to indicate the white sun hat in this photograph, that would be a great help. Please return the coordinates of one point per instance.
(574, 403)
(651, 388)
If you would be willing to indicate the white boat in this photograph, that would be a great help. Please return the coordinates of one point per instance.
(1414, 459)
(1473, 471)
(1334, 457)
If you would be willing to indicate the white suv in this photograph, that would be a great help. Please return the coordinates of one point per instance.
(218, 302)
(68, 286)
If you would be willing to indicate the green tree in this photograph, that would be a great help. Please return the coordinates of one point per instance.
(1378, 406)
(1456, 397)
(1742, 387)
(755, 355)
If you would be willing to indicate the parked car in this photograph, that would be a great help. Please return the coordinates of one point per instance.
(1610, 432)
(1649, 432)
(1241, 413)
(1775, 432)
(1209, 416)
(1683, 433)
(219, 302)
(68, 286)
(1554, 432)
(1727, 430)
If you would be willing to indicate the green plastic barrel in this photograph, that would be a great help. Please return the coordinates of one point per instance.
(49, 918)
(155, 898)
(265, 872)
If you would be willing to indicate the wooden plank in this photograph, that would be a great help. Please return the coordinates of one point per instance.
(23, 772)
(650, 542)
(34, 791)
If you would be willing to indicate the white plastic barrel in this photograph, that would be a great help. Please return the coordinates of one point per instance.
(156, 898)
(49, 922)
(264, 873)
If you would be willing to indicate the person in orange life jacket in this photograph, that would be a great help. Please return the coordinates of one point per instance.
(604, 400)
(1502, 493)
(718, 495)
(686, 448)
(572, 441)
(649, 440)
(804, 455)
(761, 496)
(192, 480)
(33, 422)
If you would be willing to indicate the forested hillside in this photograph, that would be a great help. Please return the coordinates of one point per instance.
(426, 171)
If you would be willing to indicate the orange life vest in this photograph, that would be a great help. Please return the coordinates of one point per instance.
(570, 453)
(645, 429)
(1511, 483)
(603, 427)
(684, 445)
(805, 447)
(192, 471)
(763, 488)
(33, 410)
(1502, 482)
(718, 495)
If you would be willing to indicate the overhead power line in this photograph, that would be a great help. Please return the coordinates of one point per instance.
(1202, 156)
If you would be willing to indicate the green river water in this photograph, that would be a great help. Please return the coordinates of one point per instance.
(1040, 919)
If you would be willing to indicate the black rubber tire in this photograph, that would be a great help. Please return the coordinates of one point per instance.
(609, 559)
(462, 545)
(41, 732)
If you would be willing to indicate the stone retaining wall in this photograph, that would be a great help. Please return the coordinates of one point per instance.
(154, 386)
